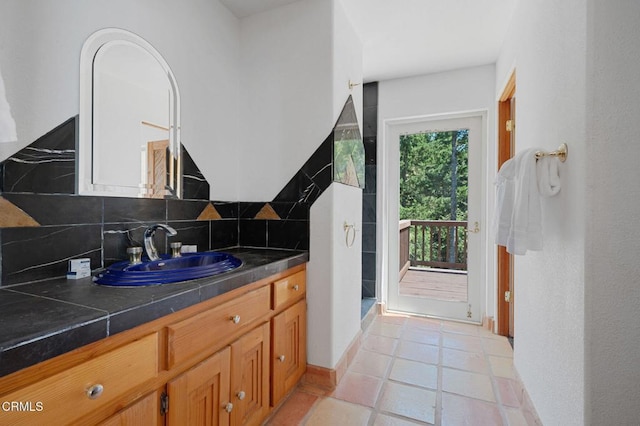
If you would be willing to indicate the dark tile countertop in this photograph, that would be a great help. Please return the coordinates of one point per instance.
(44, 319)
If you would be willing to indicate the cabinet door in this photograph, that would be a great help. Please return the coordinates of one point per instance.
(200, 396)
(289, 360)
(250, 377)
(144, 412)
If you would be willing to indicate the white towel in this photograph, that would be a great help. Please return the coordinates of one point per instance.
(548, 176)
(518, 221)
(7, 124)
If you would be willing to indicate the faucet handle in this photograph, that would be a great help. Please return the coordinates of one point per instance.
(175, 248)
(135, 255)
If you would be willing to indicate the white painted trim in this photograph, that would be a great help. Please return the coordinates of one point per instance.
(384, 207)
(505, 81)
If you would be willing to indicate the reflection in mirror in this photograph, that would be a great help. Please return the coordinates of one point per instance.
(129, 119)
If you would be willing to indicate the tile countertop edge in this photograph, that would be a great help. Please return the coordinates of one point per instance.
(16, 354)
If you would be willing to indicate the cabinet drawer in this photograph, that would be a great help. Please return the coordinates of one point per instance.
(289, 289)
(66, 396)
(208, 330)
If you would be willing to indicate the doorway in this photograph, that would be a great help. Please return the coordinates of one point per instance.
(506, 149)
(446, 254)
(156, 179)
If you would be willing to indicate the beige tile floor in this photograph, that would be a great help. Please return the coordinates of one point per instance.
(412, 371)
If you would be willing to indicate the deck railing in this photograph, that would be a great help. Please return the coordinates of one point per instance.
(433, 243)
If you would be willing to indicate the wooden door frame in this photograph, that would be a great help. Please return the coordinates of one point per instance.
(505, 260)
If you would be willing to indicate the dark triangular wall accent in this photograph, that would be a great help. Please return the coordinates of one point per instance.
(315, 176)
(194, 184)
(47, 166)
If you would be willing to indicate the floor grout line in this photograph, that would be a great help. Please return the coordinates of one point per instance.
(438, 416)
(398, 333)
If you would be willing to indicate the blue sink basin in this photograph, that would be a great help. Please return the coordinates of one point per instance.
(168, 270)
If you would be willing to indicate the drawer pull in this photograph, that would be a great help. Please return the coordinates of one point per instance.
(235, 319)
(95, 391)
(229, 407)
(281, 358)
(296, 287)
(241, 395)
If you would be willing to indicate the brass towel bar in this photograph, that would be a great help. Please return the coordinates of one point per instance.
(561, 153)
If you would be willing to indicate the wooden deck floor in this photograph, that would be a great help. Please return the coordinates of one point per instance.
(432, 284)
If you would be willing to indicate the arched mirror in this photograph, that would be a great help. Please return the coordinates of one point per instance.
(129, 131)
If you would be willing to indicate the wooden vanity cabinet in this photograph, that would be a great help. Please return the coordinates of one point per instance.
(226, 361)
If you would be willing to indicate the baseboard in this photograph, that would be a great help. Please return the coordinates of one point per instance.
(320, 376)
(488, 323)
(329, 378)
(368, 318)
(526, 405)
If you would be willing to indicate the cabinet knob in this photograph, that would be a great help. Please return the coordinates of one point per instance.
(281, 358)
(229, 407)
(95, 391)
(296, 287)
(241, 395)
(235, 319)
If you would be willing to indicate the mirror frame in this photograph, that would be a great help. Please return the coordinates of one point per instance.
(84, 183)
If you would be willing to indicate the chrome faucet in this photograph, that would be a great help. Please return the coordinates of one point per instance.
(149, 246)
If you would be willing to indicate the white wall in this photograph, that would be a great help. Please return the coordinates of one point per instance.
(40, 43)
(347, 63)
(334, 275)
(469, 89)
(546, 43)
(612, 269)
(286, 93)
(296, 64)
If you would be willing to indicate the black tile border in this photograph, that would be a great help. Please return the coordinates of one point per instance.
(369, 196)
(46, 166)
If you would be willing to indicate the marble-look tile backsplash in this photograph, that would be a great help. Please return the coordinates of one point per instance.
(64, 227)
(43, 223)
(47, 166)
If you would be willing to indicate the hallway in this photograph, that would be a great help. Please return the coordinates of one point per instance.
(412, 371)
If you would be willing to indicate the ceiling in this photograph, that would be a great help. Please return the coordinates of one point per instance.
(403, 38)
(244, 8)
